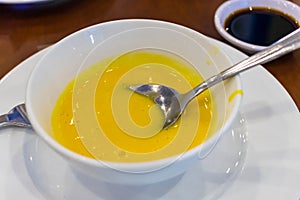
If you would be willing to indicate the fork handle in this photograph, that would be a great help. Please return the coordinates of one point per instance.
(16, 117)
(284, 46)
(4, 122)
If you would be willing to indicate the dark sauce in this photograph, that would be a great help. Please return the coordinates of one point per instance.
(260, 26)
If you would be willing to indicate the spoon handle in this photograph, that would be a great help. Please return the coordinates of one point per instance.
(285, 45)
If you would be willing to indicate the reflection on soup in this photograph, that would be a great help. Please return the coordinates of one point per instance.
(98, 116)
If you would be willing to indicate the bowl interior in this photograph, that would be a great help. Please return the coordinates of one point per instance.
(79, 50)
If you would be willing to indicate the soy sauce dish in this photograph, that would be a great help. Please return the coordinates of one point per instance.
(252, 25)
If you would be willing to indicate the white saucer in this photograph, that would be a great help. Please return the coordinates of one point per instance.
(258, 159)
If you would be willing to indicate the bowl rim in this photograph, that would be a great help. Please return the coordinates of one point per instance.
(135, 167)
(284, 6)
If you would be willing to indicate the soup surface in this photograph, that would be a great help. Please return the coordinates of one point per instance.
(98, 116)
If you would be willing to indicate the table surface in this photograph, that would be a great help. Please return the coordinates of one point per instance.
(26, 29)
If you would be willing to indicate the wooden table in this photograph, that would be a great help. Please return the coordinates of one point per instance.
(26, 29)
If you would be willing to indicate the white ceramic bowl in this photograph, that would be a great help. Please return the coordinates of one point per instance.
(79, 50)
(230, 6)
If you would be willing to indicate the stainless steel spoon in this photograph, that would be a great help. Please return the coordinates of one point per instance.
(17, 116)
(173, 103)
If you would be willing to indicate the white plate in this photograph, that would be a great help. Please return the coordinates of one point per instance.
(24, 1)
(258, 159)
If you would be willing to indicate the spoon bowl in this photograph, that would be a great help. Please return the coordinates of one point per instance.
(173, 104)
(167, 98)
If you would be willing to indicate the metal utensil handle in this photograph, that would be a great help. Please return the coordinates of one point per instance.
(284, 46)
(15, 117)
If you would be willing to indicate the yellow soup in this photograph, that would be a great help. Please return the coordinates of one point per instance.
(98, 116)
